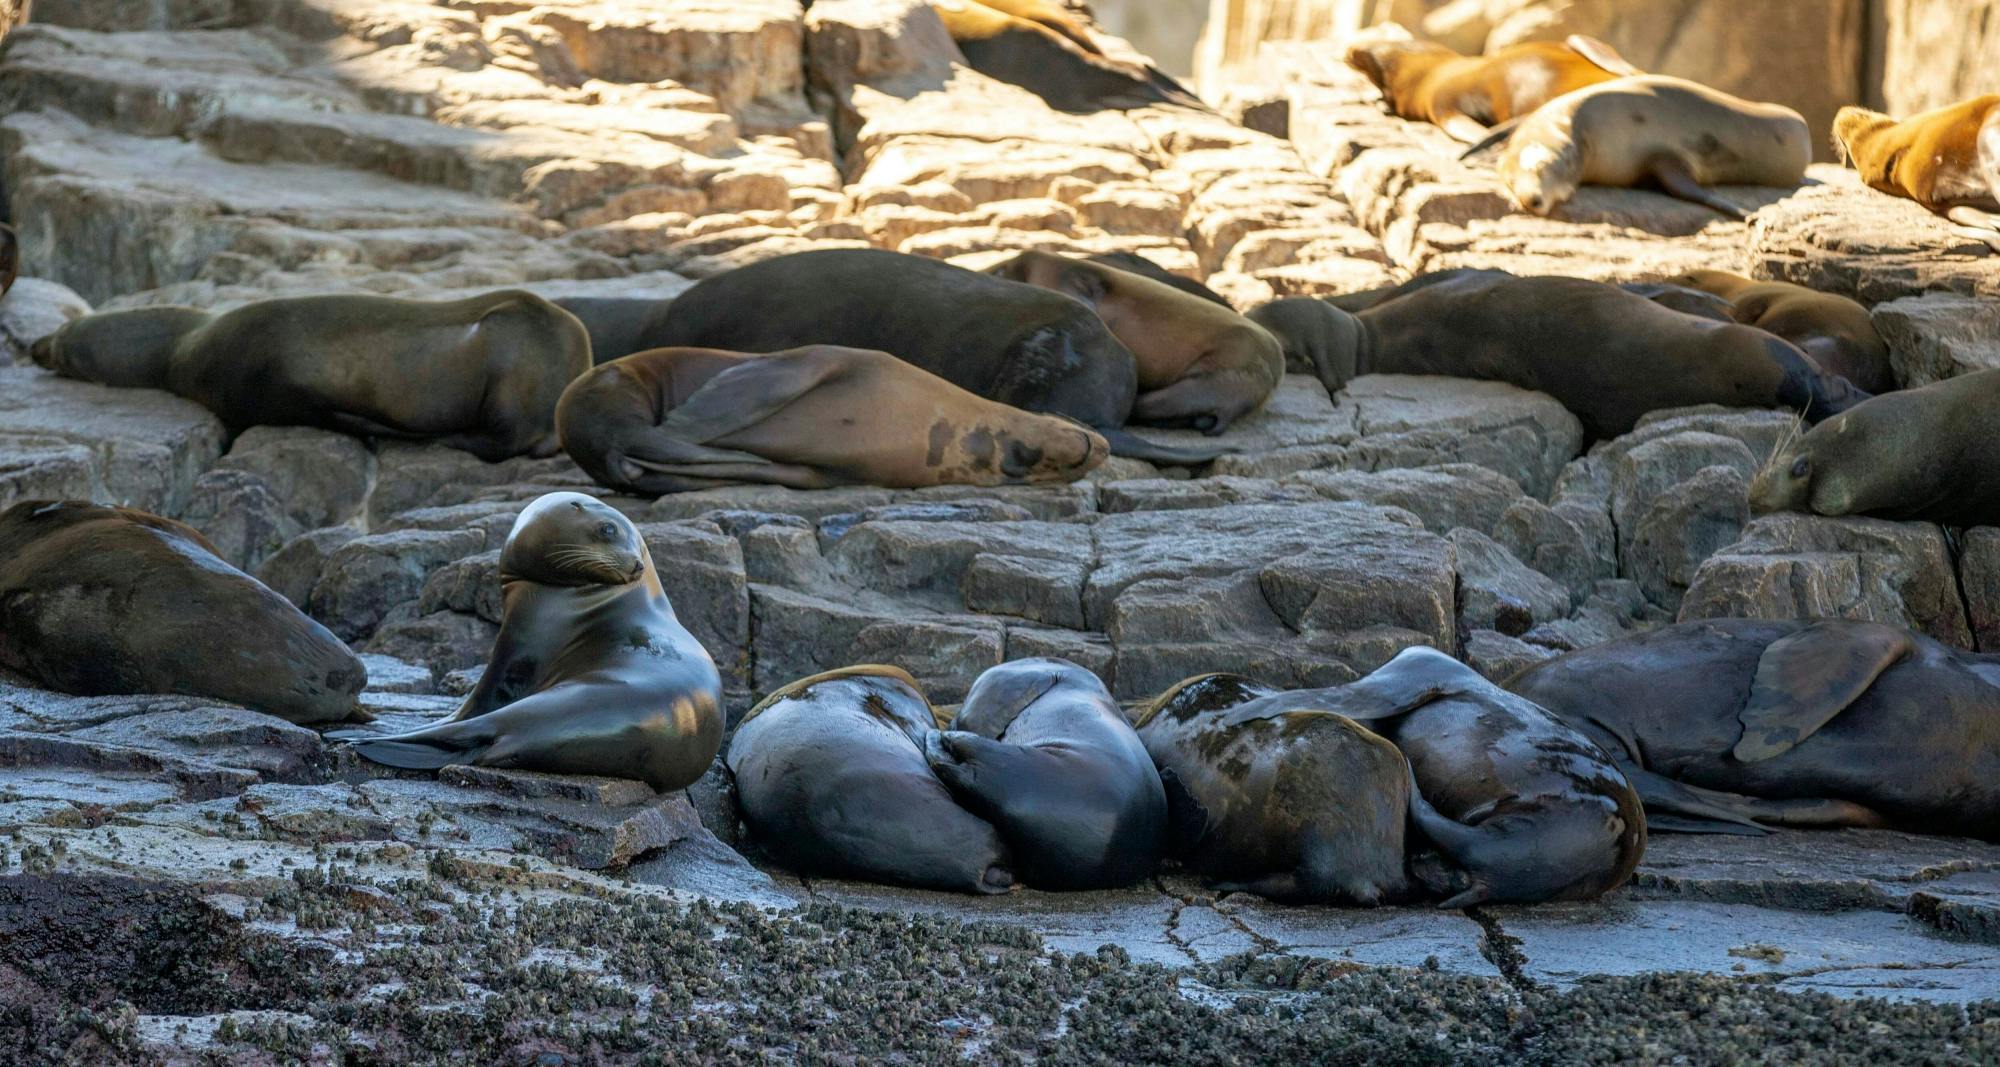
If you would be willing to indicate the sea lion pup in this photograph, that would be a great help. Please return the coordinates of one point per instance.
(1524, 806)
(1199, 365)
(1006, 341)
(831, 779)
(1138, 264)
(1728, 725)
(481, 374)
(1464, 95)
(1608, 355)
(1649, 130)
(1926, 454)
(1299, 804)
(1041, 48)
(675, 419)
(1948, 159)
(98, 600)
(1836, 333)
(591, 672)
(1040, 750)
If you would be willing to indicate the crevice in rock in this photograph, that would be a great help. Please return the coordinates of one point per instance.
(1501, 949)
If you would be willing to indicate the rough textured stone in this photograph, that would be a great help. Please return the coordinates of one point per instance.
(1497, 592)
(1939, 335)
(322, 478)
(240, 515)
(146, 448)
(366, 577)
(1979, 577)
(32, 309)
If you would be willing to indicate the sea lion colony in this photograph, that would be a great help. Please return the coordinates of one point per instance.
(1420, 781)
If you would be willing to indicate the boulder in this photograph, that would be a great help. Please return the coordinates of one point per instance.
(241, 516)
(1979, 576)
(32, 309)
(1498, 592)
(1939, 335)
(368, 576)
(321, 477)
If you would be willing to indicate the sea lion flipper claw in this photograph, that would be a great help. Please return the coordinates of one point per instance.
(1805, 679)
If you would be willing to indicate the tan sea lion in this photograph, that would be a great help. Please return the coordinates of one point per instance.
(1725, 725)
(1927, 454)
(831, 779)
(1138, 264)
(482, 374)
(1464, 95)
(1608, 355)
(1199, 364)
(591, 672)
(1300, 804)
(675, 419)
(1834, 332)
(1948, 159)
(98, 600)
(1649, 130)
(1041, 48)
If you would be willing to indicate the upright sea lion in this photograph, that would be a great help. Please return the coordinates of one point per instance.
(1200, 365)
(831, 779)
(1041, 48)
(1138, 264)
(482, 374)
(1925, 454)
(1649, 129)
(1608, 355)
(591, 672)
(1007, 341)
(1948, 159)
(1520, 802)
(98, 600)
(1836, 333)
(1296, 805)
(1463, 95)
(1725, 724)
(1040, 750)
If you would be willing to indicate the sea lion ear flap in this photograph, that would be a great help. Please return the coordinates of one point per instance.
(1807, 678)
(1417, 676)
(1601, 54)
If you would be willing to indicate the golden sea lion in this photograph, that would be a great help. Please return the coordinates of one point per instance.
(1044, 50)
(1464, 95)
(1834, 332)
(1948, 159)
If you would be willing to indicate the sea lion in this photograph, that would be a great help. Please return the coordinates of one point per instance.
(482, 374)
(1138, 264)
(1924, 454)
(1947, 159)
(618, 325)
(1040, 750)
(10, 258)
(1726, 725)
(1008, 341)
(1464, 95)
(591, 672)
(98, 600)
(1199, 365)
(1296, 805)
(675, 419)
(1675, 134)
(831, 779)
(1041, 48)
(1836, 333)
(1608, 355)
(1524, 806)
(1687, 301)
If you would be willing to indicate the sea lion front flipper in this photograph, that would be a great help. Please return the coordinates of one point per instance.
(1417, 676)
(1674, 806)
(1805, 679)
(1602, 55)
(1462, 128)
(747, 394)
(1494, 139)
(1983, 226)
(1678, 181)
(1125, 443)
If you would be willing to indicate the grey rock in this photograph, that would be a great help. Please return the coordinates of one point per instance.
(233, 737)
(1040, 589)
(366, 577)
(294, 569)
(834, 527)
(1681, 528)
(1184, 494)
(389, 675)
(1979, 577)
(1498, 657)
(39, 467)
(32, 309)
(240, 515)
(1570, 542)
(932, 560)
(1497, 591)
(1090, 651)
(410, 476)
(784, 555)
(1443, 497)
(470, 585)
(1403, 419)
(1939, 335)
(146, 447)
(1615, 609)
(444, 641)
(322, 477)
(799, 634)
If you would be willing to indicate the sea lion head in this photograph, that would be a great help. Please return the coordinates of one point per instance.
(128, 349)
(569, 539)
(1540, 176)
(1805, 472)
(1316, 337)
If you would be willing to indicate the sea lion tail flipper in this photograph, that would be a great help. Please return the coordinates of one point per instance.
(1125, 443)
(1602, 55)
(1805, 679)
(1495, 138)
(748, 393)
(1674, 177)
(1454, 839)
(429, 748)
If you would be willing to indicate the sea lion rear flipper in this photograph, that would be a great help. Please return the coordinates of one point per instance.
(1187, 821)
(1463, 128)
(747, 394)
(1125, 443)
(1602, 55)
(1676, 807)
(1805, 679)
(1679, 182)
(1417, 676)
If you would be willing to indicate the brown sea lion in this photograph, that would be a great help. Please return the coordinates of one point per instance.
(10, 258)
(591, 672)
(618, 325)
(1649, 130)
(98, 600)
(482, 374)
(675, 419)
(1041, 48)
(1726, 724)
(1023, 346)
(1298, 805)
(831, 779)
(1926, 454)
(1464, 95)
(1138, 264)
(1523, 806)
(1834, 332)
(1608, 355)
(1948, 159)
(1199, 365)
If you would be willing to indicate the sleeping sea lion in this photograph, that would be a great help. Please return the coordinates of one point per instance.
(1043, 49)
(591, 672)
(675, 419)
(1299, 804)
(1138, 264)
(1464, 95)
(10, 258)
(1199, 365)
(831, 779)
(1926, 454)
(98, 600)
(482, 374)
(1727, 725)
(1948, 159)
(1836, 333)
(1040, 750)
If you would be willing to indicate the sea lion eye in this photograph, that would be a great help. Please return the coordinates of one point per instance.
(1800, 466)
(607, 531)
